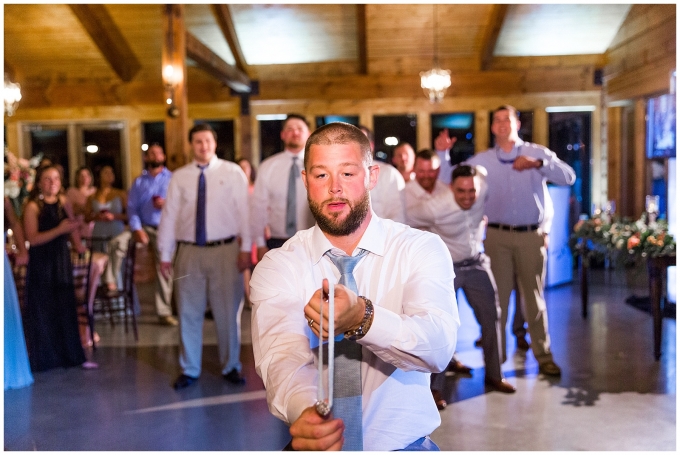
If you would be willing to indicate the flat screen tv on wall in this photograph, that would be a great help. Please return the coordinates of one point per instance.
(661, 127)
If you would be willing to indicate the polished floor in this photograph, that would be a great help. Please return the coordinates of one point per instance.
(612, 395)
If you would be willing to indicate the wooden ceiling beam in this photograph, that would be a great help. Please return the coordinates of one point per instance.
(108, 38)
(212, 64)
(491, 33)
(361, 39)
(224, 20)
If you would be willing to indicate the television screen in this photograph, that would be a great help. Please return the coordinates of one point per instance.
(661, 127)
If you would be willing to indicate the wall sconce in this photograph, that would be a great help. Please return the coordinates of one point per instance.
(171, 78)
(12, 95)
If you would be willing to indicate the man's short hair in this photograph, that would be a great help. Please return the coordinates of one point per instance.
(462, 170)
(506, 107)
(339, 133)
(427, 155)
(401, 144)
(201, 127)
(295, 116)
(369, 134)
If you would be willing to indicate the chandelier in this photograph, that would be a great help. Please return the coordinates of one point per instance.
(12, 95)
(435, 81)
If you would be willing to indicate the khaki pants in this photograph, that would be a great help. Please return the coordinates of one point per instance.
(521, 256)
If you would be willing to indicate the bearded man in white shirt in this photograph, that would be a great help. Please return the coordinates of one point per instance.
(455, 212)
(405, 328)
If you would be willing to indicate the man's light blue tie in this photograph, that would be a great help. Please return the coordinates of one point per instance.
(291, 199)
(201, 235)
(347, 377)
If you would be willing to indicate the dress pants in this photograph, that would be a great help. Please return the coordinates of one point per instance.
(521, 255)
(477, 281)
(208, 274)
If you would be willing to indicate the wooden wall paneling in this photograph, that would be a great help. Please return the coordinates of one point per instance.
(640, 185)
(423, 131)
(653, 78)
(12, 138)
(491, 33)
(134, 144)
(614, 152)
(255, 141)
(625, 203)
(540, 133)
(641, 18)
(482, 132)
(174, 53)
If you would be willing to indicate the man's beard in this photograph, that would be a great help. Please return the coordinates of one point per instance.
(330, 224)
(154, 164)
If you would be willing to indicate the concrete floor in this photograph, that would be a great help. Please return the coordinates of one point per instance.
(613, 395)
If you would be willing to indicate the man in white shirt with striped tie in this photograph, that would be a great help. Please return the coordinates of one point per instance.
(402, 318)
(279, 200)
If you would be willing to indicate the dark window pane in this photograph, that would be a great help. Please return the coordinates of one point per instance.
(153, 132)
(325, 119)
(461, 125)
(402, 128)
(270, 138)
(108, 153)
(53, 144)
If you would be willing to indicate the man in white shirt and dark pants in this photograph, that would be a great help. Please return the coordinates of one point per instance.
(205, 213)
(279, 199)
(455, 212)
(402, 318)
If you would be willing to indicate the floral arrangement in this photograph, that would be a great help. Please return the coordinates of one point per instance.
(641, 238)
(19, 176)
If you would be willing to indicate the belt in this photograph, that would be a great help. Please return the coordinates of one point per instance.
(469, 261)
(212, 243)
(510, 227)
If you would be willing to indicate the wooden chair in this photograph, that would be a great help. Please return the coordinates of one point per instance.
(116, 301)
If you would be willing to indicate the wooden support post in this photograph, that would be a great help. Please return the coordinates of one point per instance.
(174, 53)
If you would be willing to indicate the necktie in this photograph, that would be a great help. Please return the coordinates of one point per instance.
(291, 199)
(201, 235)
(347, 377)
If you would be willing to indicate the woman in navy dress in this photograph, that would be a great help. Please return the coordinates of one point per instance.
(50, 318)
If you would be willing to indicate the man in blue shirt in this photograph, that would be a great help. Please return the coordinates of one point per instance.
(517, 206)
(145, 203)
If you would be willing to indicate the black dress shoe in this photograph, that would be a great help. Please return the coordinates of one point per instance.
(523, 344)
(549, 368)
(235, 377)
(184, 381)
(478, 342)
(500, 385)
(457, 367)
(438, 399)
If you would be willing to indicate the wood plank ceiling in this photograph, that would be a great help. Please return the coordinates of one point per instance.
(79, 55)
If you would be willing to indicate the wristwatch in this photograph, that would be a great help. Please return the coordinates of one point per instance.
(359, 332)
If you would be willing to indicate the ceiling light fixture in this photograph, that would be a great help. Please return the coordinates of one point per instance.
(12, 95)
(435, 81)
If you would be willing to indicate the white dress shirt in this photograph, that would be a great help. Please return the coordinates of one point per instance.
(438, 212)
(226, 206)
(387, 197)
(408, 275)
(270, 195)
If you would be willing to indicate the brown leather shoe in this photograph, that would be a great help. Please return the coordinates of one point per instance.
(523, 344)
(499, 385)
(438, 399)
(549, 368)
(457, 367)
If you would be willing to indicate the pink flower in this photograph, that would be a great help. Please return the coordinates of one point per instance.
(633, 241)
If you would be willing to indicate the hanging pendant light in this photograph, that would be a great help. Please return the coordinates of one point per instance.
(435, 81)
(12, 95)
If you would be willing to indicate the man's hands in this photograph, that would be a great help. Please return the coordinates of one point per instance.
(443, 141)
(313, 432)
(349, 310)
(522, 163)
(141, 236)
(166, 269)
(243, 261)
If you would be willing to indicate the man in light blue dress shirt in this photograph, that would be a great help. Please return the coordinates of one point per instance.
(516, 210)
